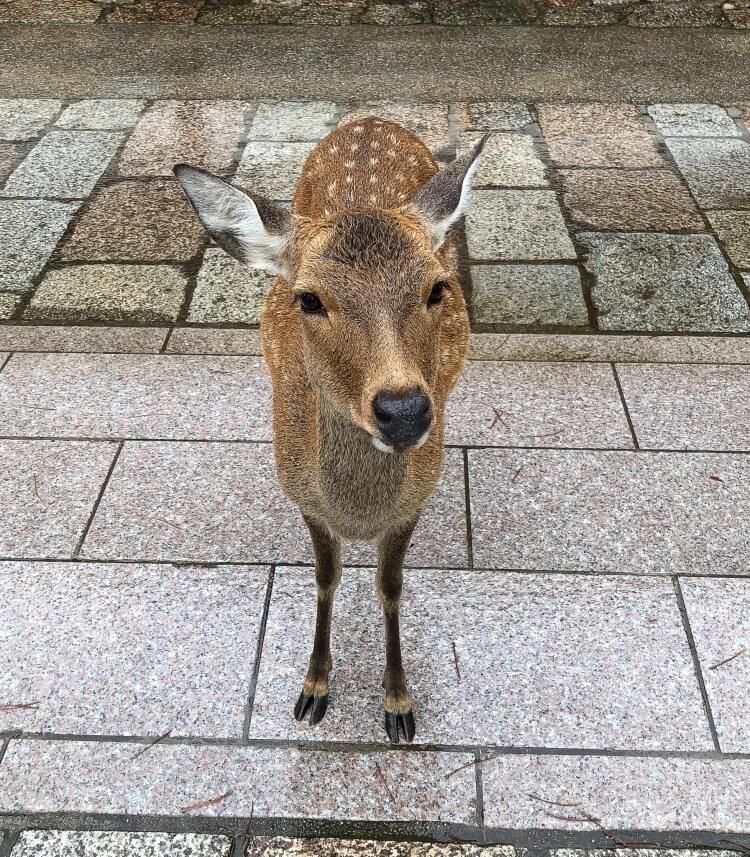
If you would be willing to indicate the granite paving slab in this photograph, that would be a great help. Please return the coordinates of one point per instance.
(82, 339)
(663, 282)
(202, 133)
(227, 292)
(528, 294)
(11, 155)
(688, 407)
(536, 404)
(42, 776)
(25, 118)
(429, 122)
(136, 395)
(516, 224)
(620, 793)
(271, 168)
(31, 229)
(8, 305)
(161, 11)
(191, 340)
(103, 114)
(64, 164)
(494, 116)
(49, 12)
(222, 502)
(718, 612)
(47, 493)
(717, 171)
(128, 650)
(733, 231)
(639, 512)
(693, 120)
(282, 846)
(97, 843)
(468, 657)
(292, 120)
(508, 160)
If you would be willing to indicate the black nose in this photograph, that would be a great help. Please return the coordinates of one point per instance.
(402, 418)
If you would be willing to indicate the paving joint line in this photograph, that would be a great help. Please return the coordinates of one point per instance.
(250, 701)
(624, 404)
(100, 495)
(479, 786)
(467, 510)
(5, 361)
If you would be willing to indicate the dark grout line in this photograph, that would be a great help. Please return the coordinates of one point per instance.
(467, 512)
(5, 362)
(479, 785)
(165, 344)
(98, 500)
(8, 844)
(258, 655)
(624, 404)
(696, 662)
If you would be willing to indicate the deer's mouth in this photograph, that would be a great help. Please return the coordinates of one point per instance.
(384, 446)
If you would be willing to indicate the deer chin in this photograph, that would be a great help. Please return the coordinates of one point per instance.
(382, 446)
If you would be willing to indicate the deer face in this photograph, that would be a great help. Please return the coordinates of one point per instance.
(373, 289)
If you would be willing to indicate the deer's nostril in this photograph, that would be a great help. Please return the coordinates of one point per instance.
(402, 418)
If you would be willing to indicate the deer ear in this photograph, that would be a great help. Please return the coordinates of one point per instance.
(255, 231)
(442, 200)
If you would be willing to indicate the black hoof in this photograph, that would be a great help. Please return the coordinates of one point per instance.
(316, 705)
(400, 727)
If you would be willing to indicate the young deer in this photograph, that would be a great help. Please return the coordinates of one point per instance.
(365, 332)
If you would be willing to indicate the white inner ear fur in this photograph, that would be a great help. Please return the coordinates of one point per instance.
(439, 229)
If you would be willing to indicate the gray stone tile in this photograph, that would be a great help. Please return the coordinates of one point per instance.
(129, 650)
(719, 615)
(187, 340)
(64, 164)
(42, 776)
(717, 171)
(292, 120)
(528, 294)
(227, 292)
(693, 120)
(31, 229)
(494, 116)
(222, 502)
(621, 793)
(508, 160)
(281, 846)
(95, 843)
(428, 121)
(11, 155)
(49, 12)
(663, 282)
(536, 404)
(517, 224)
(104, 114)
(386, 12)
(733, 231)
(47, 493)
(136, 395)
(610, 511)
(26, 118)
(271, 168)
(202, 133)
(92, 339)
(8, 304)
(688, 407)
(466, 651)
(113, 293)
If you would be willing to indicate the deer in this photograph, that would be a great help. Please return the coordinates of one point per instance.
(365, 332)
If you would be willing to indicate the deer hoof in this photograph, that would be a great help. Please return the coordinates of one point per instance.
(400, 727)
(316, 705)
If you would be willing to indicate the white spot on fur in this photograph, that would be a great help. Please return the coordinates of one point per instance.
(383, 447)
(422, 440)
(373, 179)
(358, 129)
(354, 147)
(374, 162)
(348, 178)
(349, 165)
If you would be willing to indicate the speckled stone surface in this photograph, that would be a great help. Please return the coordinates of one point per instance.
(536, 404)
(113, 293)
(135, 221)
(528, 294)
(290, 783)
(31, 229)
(161, 11)
(49, 12)
(64, 164)
(622, 793)
(284, 847)
(97, 843)
(516, 224)
(292, 120)
(598, 135)
(487, 690)
(508, 160)
(11, 154)
(227, 292)
(428, 121)
(300, 12)
(663, 282)
(494, 115)
(629, 200)
(693, 120)
(129, 650)
(610, 511)
(222, 502)
(202, 133)
(185, 340)
(102, 113)
(47, 493)
(733, 231)
(717, 171)
(26, 118)
(719, 615)
(8, 304)
(271, 168)
(94, 339)
(688, 407)
(137, 395)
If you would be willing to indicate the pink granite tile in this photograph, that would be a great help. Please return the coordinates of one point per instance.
(87, 339)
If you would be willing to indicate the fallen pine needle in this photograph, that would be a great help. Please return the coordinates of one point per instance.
(202, 804)
(36, 490)
(516, 475)
(455, 661)
(153, 743)
(553, 802)
(472, 762)
(717, 479)
(381, 779)
(18, 706)
(727, 660)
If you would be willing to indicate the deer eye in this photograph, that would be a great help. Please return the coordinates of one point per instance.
(310, 303)
(436, 295)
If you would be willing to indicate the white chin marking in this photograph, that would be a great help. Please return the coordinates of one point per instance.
(422, 440)
(383, 447)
